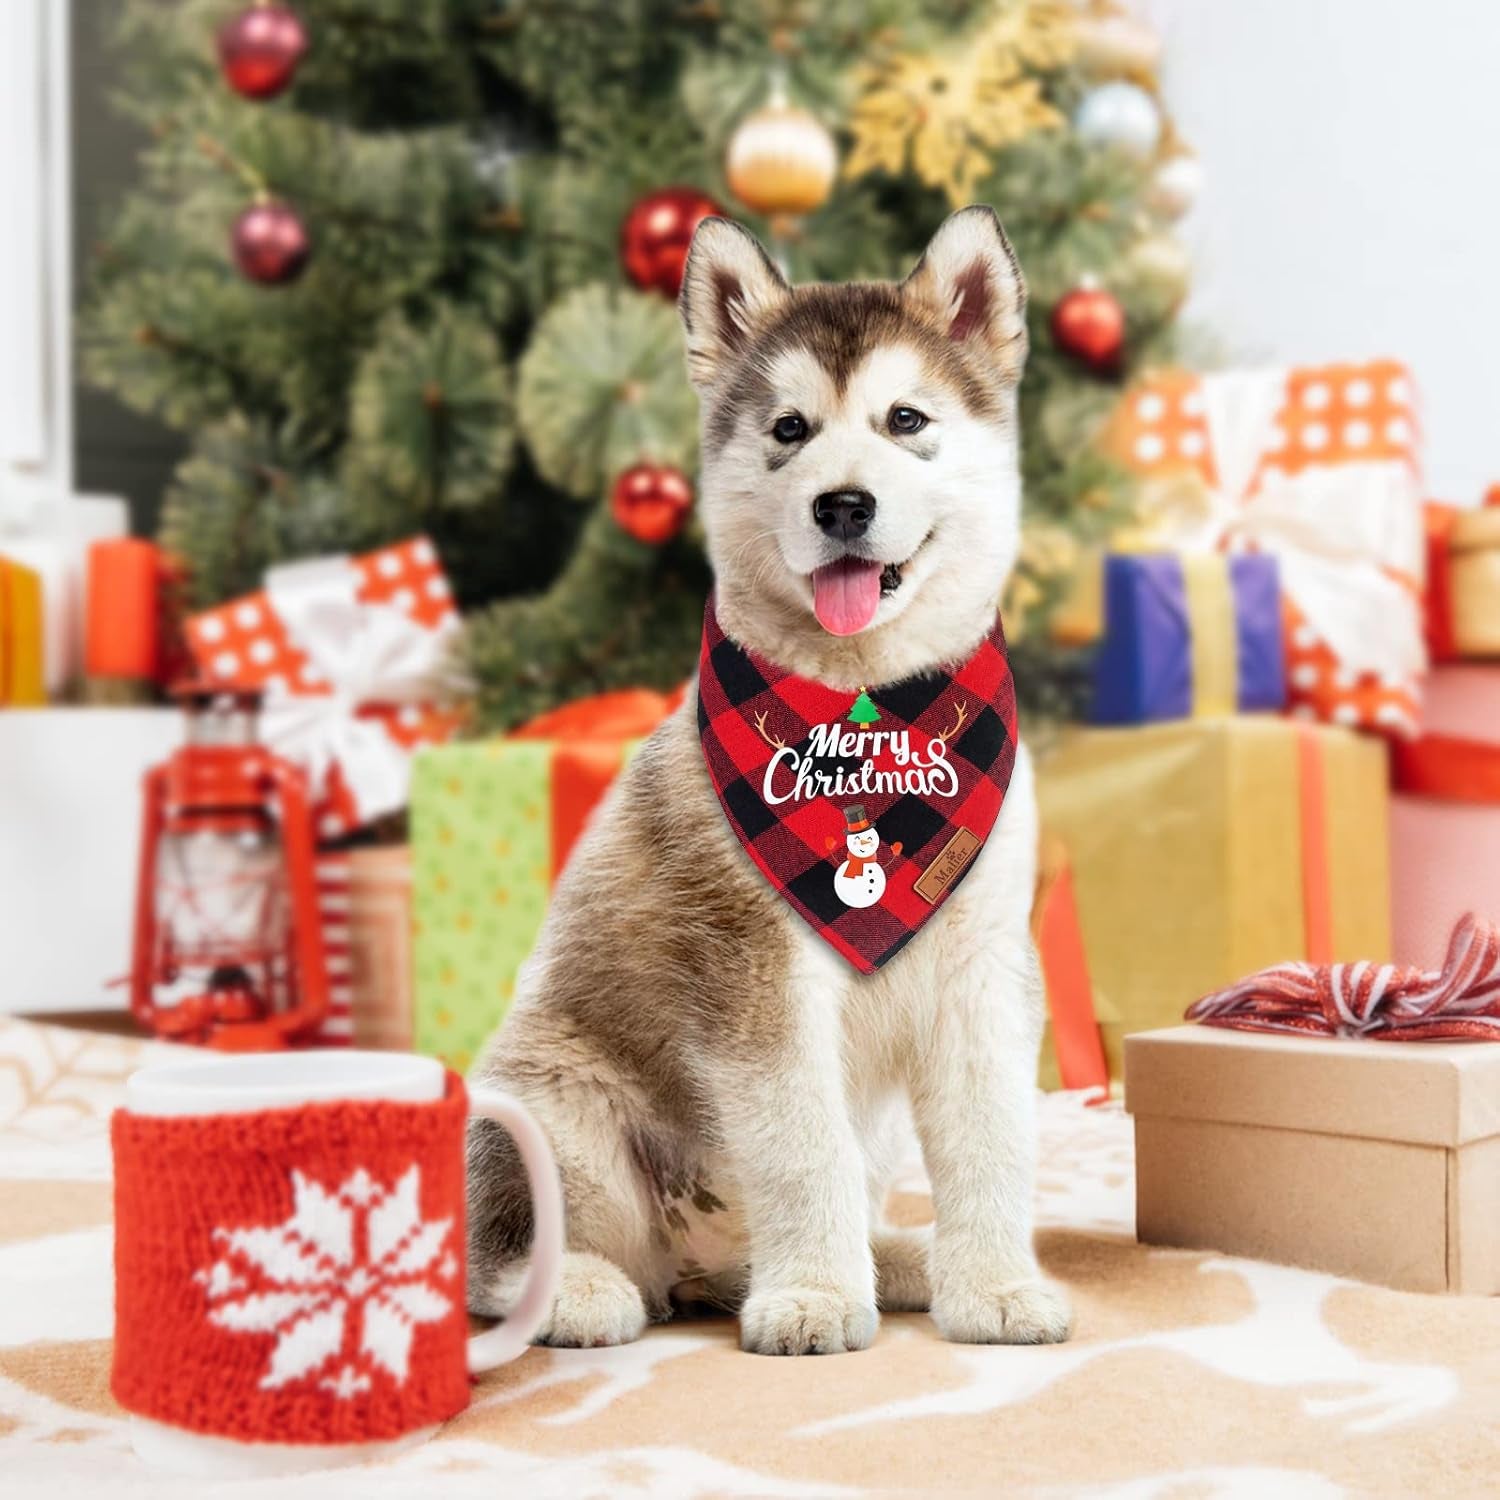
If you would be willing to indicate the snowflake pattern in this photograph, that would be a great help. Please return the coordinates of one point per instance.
(343, 1283)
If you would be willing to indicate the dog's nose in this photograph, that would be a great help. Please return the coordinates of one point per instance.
(844, 514)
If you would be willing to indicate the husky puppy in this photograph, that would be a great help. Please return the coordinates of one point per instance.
(722, 1090)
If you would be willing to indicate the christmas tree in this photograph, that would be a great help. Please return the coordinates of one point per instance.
(408, 265)
(863, 711)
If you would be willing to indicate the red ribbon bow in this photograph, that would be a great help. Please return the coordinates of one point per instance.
(1460, 1001)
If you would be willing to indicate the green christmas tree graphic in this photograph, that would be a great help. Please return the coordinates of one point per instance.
(864, 711)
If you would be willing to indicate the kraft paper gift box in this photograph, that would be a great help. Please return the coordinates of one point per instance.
(1205, 849)
(1445, 815)
(1316, 466)
(492, 825)
(1377, 1160)
(1188, 636)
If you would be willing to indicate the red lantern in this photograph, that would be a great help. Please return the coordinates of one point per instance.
(228, 939)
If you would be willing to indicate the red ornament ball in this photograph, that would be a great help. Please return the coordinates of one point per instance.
(651, 503)
(655, 236)
(270, 244)
(1089, 324)
(259, 50)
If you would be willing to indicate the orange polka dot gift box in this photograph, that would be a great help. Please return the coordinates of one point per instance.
(1317, 467)
(352, 657)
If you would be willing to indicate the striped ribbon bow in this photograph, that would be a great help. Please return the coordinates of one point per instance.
(1461, 1001)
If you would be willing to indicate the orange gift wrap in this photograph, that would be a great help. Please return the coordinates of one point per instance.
(1317, 466)
(122, 623)
(352, 657)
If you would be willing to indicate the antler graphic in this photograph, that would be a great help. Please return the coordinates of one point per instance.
(770, 739)
(958, 723)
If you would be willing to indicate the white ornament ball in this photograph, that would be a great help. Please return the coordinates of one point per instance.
(1120, 114)
(1176, 185)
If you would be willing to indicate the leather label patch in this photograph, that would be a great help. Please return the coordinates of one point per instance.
(951, 861)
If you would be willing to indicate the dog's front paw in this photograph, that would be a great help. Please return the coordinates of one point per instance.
(1024, 1312)
(805, 1320)
(597, 1305)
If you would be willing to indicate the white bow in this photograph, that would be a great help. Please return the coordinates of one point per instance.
(1332, 528)
(368, 653)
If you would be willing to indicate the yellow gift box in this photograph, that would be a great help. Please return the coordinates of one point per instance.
(1205, 849)
(21, 628)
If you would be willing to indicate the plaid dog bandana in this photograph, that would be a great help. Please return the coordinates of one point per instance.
(864, 810)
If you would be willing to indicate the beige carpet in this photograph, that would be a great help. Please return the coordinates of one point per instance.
(1191, 1375)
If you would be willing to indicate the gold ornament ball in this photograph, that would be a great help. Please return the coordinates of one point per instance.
(1163, 266)
(781, 160)
(1109, 46)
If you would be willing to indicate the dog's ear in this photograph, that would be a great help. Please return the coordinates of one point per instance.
(730, 284)
(970, 280)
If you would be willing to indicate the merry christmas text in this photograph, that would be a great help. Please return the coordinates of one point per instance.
(928, 774)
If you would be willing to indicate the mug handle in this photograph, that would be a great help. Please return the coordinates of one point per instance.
(509, 1339)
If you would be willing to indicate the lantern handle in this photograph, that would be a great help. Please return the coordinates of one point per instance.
(302, 883)
(142, 959)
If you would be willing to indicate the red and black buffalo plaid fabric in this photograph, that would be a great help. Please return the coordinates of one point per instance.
(751, 713)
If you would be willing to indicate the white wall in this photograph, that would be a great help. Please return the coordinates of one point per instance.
(1352, 196)
(35, 361)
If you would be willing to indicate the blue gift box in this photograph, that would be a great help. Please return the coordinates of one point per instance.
(1189, 636)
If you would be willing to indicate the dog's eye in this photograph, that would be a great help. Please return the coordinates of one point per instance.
(906, 420)
(789, 429)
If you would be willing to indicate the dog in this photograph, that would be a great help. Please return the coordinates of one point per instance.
(724, 1093)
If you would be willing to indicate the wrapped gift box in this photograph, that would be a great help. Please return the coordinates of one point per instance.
(364, 896)
(1445, 816)
(492, 825)
(1239, 1136)
(50, 535)
(1317, 467)
(1464, 584)
(352, 655)
(1206, 849)
(1188, 635)
(22, 682)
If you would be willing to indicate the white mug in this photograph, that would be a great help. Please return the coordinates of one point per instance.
(287, 1081)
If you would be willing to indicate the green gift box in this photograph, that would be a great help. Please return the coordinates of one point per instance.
(492, 824)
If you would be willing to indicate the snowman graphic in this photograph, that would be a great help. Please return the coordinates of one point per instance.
(860, 881)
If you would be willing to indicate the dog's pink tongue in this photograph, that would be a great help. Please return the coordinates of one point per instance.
(846, 595)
